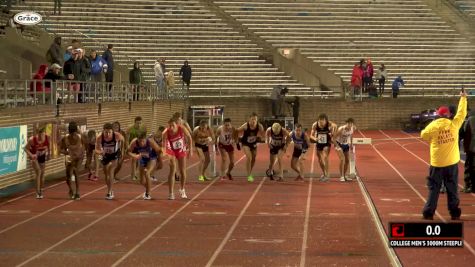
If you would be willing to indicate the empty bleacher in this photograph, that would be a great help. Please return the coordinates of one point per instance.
(222, 59)
(405, 35)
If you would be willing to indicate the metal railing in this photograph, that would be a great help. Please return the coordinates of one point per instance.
(15, 93)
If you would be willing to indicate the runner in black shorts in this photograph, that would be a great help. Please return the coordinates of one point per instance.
(278, 140)
(38, 152)
(202, 136)
(250, 131)
(226, 135)
(123, 148)
(322, 131)
(108, 151)
(301, 144)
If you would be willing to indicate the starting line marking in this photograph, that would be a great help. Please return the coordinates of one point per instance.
(267, 241)
(15, 211)
(398, 200)
(79, 212)
(144, 212)
(209, 213)
(274, 213)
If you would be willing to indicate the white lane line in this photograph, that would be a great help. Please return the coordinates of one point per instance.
(119, 261)
(303, 253)
(233, 227)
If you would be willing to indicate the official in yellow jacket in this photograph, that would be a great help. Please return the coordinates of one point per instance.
(442, 134)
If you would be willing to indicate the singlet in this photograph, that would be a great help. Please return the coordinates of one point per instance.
(276, 140)
(176, 141)
(323, 134)
(39, 148)
(225, 137)
(250, 136)
(144, 151)
(110, 147)
(202, 136)
(344, 137)
(134, 132)
(299, 143)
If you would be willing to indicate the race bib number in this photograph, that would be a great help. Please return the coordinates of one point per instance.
(322, 138)
(109, 150)
(298, 146)
(177, 145)
(41, 153)
(251, 139)
(144, 154)
(274, 142)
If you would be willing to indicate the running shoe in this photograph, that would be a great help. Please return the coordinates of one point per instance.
(348, 178)
(77, 197)
(154, 179)
(466, 190)
(250, 178)
(71, 194)
(270, 174)
(177, 178)
(230, 177)
(201, 178)
(93, 178)
(135, 178)
(39, 195)
(110, 196)
(146, 196)
(207, 179)
(323, 178)
(342, 179)
(182, 193)
(171, 196)
(222, 178)
(298, 178)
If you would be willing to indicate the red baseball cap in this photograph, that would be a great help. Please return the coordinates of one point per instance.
(443, 111)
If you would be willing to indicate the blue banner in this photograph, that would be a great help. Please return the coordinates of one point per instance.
(12, 156)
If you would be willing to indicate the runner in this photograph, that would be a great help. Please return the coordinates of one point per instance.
(39, 152)
(108, 145)
(202, 137)
(226, 135)
(322, 131)
(301, 144)
(73, 146)
(250, 132)
(343, 144)
(92, 163)
(277, 140)
(181, 121)
(141, 149)
(123, 148)
(157, 137)
(132, 133)
(175, 138)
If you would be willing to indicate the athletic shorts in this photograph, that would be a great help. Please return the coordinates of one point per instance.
(320, 147)
(41, 159)
(298, 152)
(252, 146)
(176, 153)
(144, 161)
(345, 148)
(203, 147)
(274, 150)
(108, 158)
(227, 148)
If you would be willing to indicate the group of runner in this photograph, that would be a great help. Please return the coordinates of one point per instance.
(176, 143)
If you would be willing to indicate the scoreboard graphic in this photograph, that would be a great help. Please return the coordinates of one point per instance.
(434, 235)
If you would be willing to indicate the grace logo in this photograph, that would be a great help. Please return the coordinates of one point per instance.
(27, 18)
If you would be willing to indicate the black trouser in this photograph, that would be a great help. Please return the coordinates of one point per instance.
(449, 176)
(382, 81)
(395, 93)
(469, 171)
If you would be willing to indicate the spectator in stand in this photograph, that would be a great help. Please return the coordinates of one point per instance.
(136, 80)
(37, 84)
(165, 73)
(54, 74)
(97, 66)
(84, 75)
(8, 6)
(185, 73)
(75, 43)
(367, 75)
(109, 72)
(159, 77)
(54, 52)
(68, 53)
(381, 76)
(57, 4)
(72, 70)
(357, 79)
(397, 84)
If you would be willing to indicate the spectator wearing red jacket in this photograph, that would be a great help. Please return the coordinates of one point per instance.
(357, 79)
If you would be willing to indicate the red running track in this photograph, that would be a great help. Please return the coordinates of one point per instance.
(233, 223)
